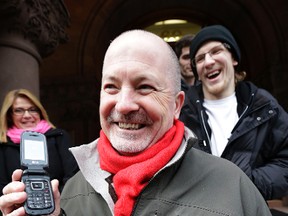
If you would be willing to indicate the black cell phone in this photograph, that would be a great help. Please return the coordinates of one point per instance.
(34, 161)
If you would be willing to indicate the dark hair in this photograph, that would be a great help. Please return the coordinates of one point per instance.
(185, 41)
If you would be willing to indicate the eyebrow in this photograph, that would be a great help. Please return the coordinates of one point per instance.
(138, 79)
(116, 79)
(209, 49)
(25, 108)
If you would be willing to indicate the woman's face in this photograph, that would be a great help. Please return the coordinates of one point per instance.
(25, 114)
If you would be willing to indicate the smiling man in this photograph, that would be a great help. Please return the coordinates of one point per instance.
(143, 163)
(182, 49)
(234, 119)
(138, 101)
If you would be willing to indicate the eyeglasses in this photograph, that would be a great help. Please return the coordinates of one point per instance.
(21, 111)
(212, 53)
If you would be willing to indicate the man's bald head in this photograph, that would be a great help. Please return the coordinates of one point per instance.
(148, 47)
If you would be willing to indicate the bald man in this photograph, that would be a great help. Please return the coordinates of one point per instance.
(143, 162)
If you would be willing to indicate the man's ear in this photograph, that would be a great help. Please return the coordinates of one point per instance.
(179, 101)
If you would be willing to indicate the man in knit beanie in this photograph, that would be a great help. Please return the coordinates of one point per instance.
(217, 33)
(234, 119)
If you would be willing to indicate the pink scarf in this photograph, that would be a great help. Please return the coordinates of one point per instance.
(15, 133)
(132, 173)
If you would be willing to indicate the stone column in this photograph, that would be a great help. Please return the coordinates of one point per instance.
(30, 30)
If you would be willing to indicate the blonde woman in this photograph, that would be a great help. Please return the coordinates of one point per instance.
(21, 111)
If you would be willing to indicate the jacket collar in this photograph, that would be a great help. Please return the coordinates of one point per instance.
(87, 158)
(244, 91)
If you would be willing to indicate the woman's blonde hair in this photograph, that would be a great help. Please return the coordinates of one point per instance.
(6, 120)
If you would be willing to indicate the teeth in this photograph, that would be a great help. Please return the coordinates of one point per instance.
(129, 126)
(214, 73)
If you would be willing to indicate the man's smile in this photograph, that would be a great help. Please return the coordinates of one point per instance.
(129, 126)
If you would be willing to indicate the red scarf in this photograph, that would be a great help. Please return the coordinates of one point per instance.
(132, 173)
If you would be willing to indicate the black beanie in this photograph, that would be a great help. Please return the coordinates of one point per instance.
(214, 33)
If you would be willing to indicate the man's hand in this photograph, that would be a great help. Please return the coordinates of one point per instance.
(14, 196)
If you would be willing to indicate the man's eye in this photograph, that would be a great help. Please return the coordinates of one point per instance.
(146, 88)
(185, 57)
(200, 58)
(216, 51)
(110, 88)
(107, 86)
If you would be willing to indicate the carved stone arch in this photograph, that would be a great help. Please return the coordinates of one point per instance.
(257, 29)
(101, 28)
(72, 99)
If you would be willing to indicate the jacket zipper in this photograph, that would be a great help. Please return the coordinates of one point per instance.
(241, 116)
(205, 128)
(206, 132)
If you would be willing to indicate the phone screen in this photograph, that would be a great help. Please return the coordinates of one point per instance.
(34, 150)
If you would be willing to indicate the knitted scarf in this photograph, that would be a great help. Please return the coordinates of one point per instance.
(132, 173)
(15, 133)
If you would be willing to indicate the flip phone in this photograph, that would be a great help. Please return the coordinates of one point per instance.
(34, 160)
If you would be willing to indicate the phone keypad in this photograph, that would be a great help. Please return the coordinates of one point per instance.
(38, 194)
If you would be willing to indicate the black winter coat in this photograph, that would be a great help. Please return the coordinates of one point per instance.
(62, 164)
(259, 141)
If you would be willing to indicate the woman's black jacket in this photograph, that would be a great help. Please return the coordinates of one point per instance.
(62, 164)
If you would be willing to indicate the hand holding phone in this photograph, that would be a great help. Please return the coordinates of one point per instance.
(34, 160)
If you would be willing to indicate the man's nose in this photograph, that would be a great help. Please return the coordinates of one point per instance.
(127, 101)
(208, 59)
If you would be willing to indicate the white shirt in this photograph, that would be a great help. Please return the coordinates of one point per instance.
(223, 117)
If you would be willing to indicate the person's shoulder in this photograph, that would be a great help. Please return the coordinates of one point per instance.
(9, 143)
(54, 132)
(255, 89)
(184, 85)
(194, 92)
(206, 160)
(265, 93)
(76, 186)
(210, 171)
(75, 183)
(79, 198)
(265, 96)
(246, 89)
(85, 148)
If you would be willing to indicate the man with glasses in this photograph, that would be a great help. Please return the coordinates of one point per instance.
(234, 119)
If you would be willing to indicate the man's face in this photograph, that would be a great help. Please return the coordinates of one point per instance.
(215, 67)
(185, 65)
(138, 104)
